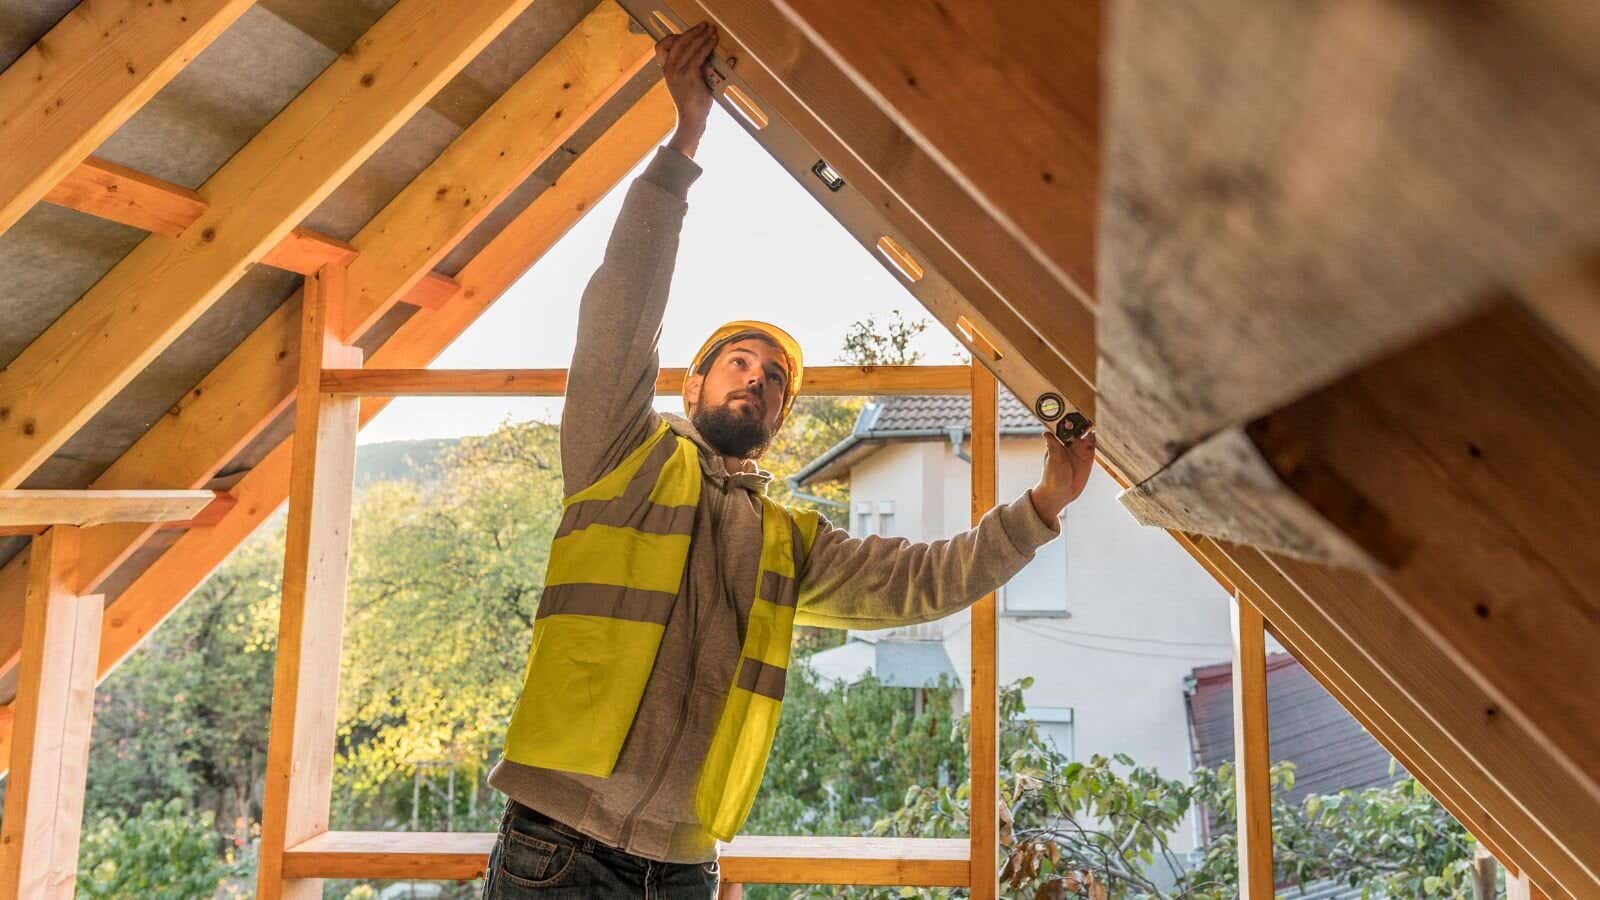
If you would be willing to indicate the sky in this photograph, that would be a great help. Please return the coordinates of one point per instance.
(754, 246)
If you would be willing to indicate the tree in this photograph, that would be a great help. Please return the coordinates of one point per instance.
(445, 577)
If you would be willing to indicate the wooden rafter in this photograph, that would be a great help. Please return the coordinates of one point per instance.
(88, 75)
(957, 78)
(155, 593)
(255, 382)
(1044, 332)
(72, 370)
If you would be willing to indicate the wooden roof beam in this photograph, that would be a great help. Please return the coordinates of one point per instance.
(48, 507)
(88, 75)
(954, 78)
(1044, 331)
(255, 382)
(72, 370)
(205, 437)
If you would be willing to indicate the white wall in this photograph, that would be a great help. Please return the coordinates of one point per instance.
(1140, 613)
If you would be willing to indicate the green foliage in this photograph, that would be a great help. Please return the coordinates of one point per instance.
(444, 578)
(166, 852)
(186, 716)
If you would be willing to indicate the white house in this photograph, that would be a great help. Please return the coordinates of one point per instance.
(1110, 619)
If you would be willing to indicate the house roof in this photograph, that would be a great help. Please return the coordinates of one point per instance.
(1307, 727)
(910, 418)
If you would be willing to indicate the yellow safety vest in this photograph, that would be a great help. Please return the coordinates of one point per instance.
(615, 570)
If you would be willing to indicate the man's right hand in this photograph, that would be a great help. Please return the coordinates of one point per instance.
(685, 61)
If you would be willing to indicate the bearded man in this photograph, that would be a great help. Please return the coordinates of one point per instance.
(661, 641)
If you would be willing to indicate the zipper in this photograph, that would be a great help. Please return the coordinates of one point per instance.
(626, 834)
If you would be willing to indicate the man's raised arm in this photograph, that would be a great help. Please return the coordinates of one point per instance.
(611, 380)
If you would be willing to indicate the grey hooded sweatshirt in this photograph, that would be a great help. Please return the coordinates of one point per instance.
(646, 806)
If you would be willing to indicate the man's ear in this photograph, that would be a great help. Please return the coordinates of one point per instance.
(692, 387)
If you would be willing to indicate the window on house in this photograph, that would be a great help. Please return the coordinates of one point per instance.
(886, 517)
(1055, 726)
(1040, 589)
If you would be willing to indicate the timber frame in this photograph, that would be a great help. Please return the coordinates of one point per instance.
(1190, 237)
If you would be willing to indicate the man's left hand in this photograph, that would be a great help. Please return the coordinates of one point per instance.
(1066, 471)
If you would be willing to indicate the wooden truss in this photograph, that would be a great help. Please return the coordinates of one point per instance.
(1350, 364)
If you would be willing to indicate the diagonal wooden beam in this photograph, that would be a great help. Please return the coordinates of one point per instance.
(255, 382)
(152, 596)
(1038, 333)
(80, 82)
(138, 308)
(957, 77)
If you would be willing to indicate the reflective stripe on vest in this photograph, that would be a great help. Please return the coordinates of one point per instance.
(616, 567)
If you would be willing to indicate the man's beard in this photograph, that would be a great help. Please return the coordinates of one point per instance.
(731, 432)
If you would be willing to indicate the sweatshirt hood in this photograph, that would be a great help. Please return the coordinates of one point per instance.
(712, 464)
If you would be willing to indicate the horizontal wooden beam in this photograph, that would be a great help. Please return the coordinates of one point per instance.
(820, 381)
(130, 197)
(32, 507)
(456, 856)
(89, 74)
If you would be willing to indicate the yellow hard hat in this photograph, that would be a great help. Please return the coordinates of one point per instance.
(740, 330)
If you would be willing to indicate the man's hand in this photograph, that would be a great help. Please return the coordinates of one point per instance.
(1066, 471)
(686, 68)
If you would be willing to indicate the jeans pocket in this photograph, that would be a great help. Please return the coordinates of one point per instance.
(530, 861)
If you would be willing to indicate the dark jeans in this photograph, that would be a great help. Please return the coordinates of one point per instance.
(537, 857)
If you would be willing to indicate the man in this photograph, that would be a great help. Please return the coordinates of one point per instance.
(661, 641)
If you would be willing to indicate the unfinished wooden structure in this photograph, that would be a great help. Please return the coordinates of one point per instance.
(1325, 276)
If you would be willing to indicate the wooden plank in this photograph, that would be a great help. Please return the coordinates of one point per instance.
(1311, 185)
(1252, 752)
(49, 759)
(931, 862)
(155, 593)
(256, 381)
(1224, 488)
(305, 690)
(820, 381)
(1567, 300)
(72, 370)
(984, 752)
(955, 77)
(1044, 334)
(120, 194)
(524, 127)
(65, 95)
(102, 188)
(1503, 577)
(50, 507)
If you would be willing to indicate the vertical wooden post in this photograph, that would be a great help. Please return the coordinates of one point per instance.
(1252, 752)
(54, 710)
(985, 750)
(1520, 887)
(311, 623)
(730, 892)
